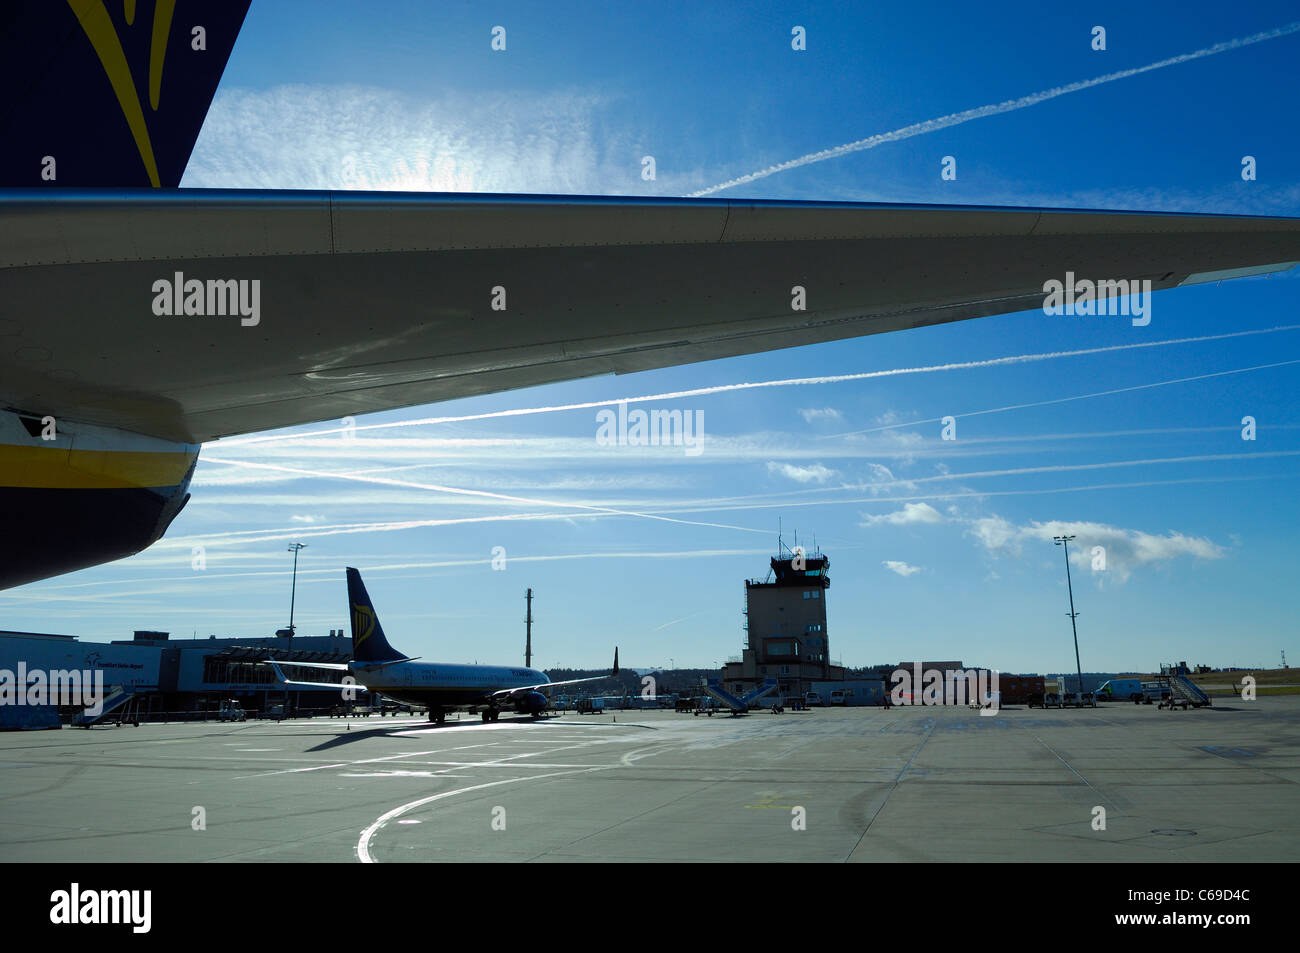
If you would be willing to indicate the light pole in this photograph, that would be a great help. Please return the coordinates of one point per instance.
(293, 590)
(1065, 541)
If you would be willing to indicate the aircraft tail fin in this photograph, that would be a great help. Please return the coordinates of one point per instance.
(108, 95)
(368, 642)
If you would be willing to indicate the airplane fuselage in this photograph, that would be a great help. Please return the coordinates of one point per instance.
(443, 685)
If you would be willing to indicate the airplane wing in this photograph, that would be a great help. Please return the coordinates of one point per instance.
(340, 303)
(335, 686)
(325, 666)
(138, 320)
(287, 682)
(542, 686)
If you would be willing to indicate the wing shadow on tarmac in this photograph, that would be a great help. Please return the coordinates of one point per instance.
(347, 736)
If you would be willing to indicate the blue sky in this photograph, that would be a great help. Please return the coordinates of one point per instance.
(939, 549)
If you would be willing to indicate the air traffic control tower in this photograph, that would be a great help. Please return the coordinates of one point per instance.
(785, 623)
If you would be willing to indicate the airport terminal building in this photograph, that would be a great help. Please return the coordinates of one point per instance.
(185, 678)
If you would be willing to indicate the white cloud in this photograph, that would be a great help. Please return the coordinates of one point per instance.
(819, 413)
(356, 137)
(815, 473)
(902, 568)
(995, 533)
(1124, 549)
(910, 514)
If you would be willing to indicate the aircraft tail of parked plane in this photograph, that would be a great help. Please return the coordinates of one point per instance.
(368, 641)
(379, 668)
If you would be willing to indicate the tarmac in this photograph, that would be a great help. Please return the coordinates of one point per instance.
(827, 785)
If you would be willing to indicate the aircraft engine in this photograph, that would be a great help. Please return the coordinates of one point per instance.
(532, 703)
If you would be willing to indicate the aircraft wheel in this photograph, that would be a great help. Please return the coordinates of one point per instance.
(487, 715)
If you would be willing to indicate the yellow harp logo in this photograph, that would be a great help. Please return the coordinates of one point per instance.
(363, 623)
(98, 27)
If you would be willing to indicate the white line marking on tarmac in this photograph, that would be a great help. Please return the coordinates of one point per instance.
(348, 764)
(363, 844)
(640, 753)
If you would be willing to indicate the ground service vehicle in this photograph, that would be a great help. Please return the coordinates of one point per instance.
(231, 710)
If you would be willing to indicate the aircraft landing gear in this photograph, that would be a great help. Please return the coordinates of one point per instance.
(490, 714)
(439, 717)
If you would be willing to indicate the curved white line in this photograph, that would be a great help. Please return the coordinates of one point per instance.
(363, 844)
(633, 756)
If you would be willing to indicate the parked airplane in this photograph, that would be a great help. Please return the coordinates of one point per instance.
(141, 320)
(378, 667)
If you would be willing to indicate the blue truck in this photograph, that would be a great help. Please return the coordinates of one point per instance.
(1133, 689)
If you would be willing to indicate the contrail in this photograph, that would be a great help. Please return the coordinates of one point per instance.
(461, 491)
(724, 503)
(391, 567)
(1063, 400)
(753, 385)
(979, 112)
(721, 505)
(978, 494)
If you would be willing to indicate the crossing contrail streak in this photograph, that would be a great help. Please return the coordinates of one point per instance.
(1064, 400)
(754, 385)
(461, 491)
(1011, 105)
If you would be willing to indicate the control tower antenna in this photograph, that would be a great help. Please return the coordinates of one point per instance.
(528, 630)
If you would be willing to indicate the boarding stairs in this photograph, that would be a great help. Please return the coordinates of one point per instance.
(1184, 693)
(713, 688)
(121, 706)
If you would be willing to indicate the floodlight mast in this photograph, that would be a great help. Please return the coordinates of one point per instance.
(1065, 541)
(293, 590)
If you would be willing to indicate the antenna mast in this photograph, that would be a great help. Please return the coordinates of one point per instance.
(528, 630)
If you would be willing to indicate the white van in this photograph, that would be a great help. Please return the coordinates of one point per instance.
(811, 699)
(839, 698)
